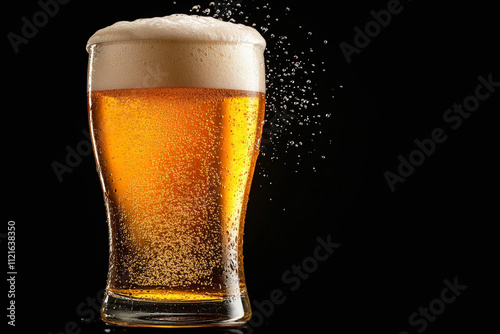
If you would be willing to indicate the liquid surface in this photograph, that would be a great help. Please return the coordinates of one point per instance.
(176, 166)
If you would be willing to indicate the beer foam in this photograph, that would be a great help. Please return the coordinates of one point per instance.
(176, 51)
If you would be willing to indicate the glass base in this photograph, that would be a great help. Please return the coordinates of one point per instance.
(123, 311)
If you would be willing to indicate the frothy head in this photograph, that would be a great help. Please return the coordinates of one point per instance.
(178, 27)
(176, 51)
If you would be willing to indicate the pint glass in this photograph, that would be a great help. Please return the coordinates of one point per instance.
(176, 109)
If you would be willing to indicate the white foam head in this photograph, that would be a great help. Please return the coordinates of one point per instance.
(176, 51)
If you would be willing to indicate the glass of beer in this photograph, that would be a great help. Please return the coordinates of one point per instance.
(176, 110)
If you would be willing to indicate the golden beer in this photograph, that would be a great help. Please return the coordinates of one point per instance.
(176, 162)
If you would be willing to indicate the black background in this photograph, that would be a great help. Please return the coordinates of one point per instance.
(396, 248)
